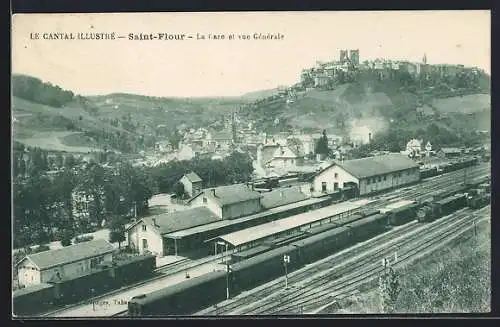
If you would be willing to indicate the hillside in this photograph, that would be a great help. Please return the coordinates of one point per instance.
(46, 116)
(375, 105)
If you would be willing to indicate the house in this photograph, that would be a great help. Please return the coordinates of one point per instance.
(186, 152)
(65, 263)
(219, 140)
(451, 152)
(146, 235)
(370, 174)
(229, 202)
(265, 153)
(192, 184)
(285, 158)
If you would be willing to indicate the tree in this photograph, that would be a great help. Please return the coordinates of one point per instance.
(322, 145)
(178, 189)
(389, 289)
(117, 230)
(66, 237)
(69, 161)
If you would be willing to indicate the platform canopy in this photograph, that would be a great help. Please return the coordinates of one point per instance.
(263, 231)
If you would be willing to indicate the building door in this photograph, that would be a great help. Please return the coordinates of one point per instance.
(335, 186)
(144, 244)
(323, 187)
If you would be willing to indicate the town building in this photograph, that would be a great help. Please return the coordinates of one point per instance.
(65, 263)
(146, 235)
(229, 202)
(192, 184)
(414, 148)
(450, 152)
(372, 174)
(284, 158)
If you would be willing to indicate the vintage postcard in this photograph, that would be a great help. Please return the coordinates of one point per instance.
(251, 163)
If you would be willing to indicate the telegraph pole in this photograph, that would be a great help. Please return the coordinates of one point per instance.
(286, 260)
(227, 277)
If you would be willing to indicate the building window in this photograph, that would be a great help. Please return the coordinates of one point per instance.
(385, 177)
(143, 228)
(368, 181)
(144, 244)
(323, 187)
(335, 186)
(379, 179)
(336, 175)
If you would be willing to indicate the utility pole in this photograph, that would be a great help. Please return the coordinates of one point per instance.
(286, 260)
(227, 276)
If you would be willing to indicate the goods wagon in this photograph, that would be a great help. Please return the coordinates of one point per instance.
(428, 172)
(262, 268)
(368, 227)
(432, 210)
(322, 244)
(401, 215)
(33, 299)
(450, 204)
(182, 298)
(479, 197)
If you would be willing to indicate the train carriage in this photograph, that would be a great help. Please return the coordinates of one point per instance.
(402, 215)
(181, 299)
(323, 244)
(262, 268)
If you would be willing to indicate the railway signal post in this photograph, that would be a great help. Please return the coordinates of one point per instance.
(286, 261)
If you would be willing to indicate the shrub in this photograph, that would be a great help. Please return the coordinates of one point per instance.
(84, 238)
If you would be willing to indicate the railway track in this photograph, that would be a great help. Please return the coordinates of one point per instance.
(273, 291)
(326, 288)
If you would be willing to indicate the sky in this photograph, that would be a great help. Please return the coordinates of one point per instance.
(197, 68)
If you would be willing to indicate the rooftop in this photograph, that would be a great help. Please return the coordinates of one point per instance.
(231, 194)
(281, 197)
(171, 222)
(374, 166)
(259, 232)
(72, 253)
(193, 177)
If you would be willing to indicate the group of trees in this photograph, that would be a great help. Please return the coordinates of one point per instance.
(33, 89)
(44, 207)
(235, 168)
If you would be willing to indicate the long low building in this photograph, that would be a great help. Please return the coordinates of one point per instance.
(370, 175)
(255, 236)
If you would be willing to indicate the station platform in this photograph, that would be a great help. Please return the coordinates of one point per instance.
(168, 260)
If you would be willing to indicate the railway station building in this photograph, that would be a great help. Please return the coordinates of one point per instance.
(370, 175)
(185, 232)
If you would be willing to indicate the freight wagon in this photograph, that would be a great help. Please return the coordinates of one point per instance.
(401, 215)
(432, 210)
